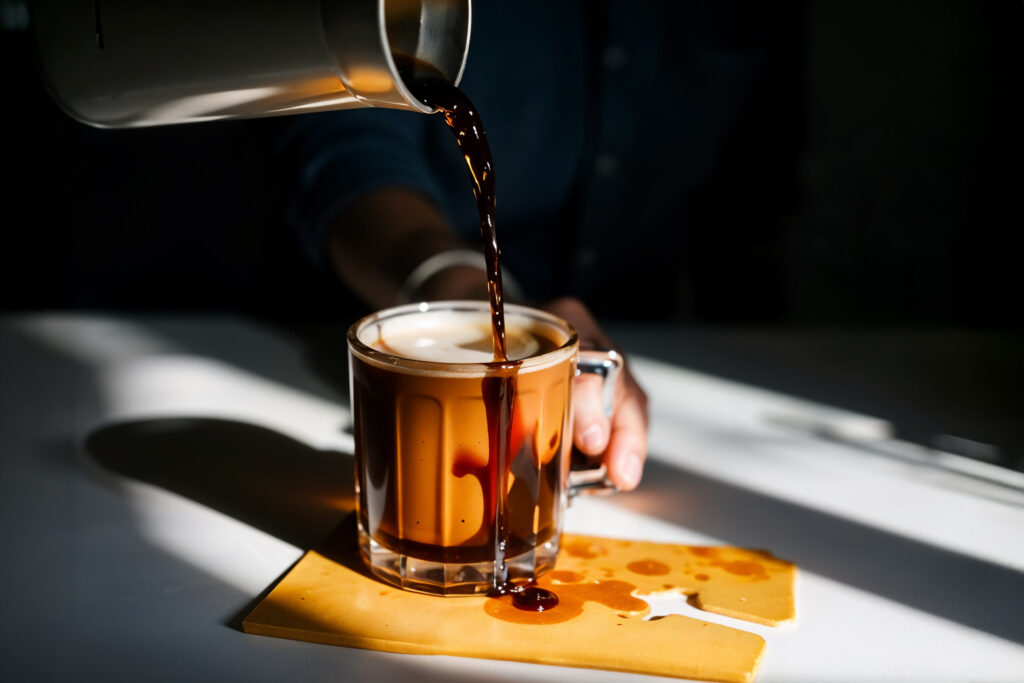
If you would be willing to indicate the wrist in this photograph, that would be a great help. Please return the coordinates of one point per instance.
(453, 274)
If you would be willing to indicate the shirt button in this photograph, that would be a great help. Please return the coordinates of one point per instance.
(606, 165)
(613, 57)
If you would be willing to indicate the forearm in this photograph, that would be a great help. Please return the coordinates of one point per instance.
(382, 237)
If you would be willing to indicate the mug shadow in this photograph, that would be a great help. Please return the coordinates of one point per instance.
(265, 479)
(300, 494)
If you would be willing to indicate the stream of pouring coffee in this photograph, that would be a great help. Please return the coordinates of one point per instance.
(499, 386)
(431, 88)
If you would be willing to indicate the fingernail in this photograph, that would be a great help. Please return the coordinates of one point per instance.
(592, 438)
(630, 470)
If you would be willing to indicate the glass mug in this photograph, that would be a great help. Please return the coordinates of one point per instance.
(463, 464)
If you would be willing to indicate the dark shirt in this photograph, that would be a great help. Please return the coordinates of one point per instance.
(603, 119)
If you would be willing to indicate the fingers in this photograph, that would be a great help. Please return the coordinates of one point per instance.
(627, 447)
(623, 439)
(590, 425)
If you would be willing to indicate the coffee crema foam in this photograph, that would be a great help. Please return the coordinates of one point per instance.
(459, 337)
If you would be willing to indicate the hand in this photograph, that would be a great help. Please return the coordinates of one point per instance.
(623, 439)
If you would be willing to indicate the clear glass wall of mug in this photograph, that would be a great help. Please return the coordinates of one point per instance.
(462, 464)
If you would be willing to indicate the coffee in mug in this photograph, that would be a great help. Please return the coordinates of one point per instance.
(462, 462)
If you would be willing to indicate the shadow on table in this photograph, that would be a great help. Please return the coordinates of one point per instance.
(267, 480)
(256, 475)
(963, 589)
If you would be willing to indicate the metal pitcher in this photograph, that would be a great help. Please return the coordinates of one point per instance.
(129, 63)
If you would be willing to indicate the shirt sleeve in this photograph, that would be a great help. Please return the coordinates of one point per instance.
(330, 159)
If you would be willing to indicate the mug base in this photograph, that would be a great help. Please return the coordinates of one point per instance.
(457, 578)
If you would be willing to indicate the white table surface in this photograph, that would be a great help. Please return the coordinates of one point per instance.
(908, 572)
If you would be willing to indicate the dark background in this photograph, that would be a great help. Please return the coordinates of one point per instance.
(874, 182)
(875, 177)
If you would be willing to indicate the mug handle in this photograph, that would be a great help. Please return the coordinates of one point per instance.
(586, 478)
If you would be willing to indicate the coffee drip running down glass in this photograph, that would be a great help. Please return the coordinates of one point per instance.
(440, 509)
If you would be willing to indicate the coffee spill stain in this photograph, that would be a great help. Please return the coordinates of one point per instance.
(743, 568)
(757, 571)
(618, 595)
(584, 549)
(649, 567)
(571, 590)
